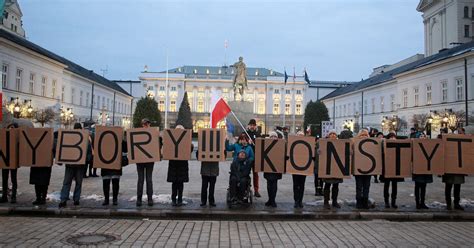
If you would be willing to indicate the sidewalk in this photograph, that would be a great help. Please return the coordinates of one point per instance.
(92, 198)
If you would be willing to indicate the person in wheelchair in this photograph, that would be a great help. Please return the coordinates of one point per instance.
(239, 177)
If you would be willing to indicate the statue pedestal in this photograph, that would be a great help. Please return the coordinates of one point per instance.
(244, 111)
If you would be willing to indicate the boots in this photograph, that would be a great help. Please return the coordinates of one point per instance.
(422, 201)
(457, 206)
(394, 203)
(13, 199)
(365, 203)
(387, 204)
(359, 203)
(106, 188)
(38, 195)
(335, 192)
(326, 198)
(115, 191)
(4, 198)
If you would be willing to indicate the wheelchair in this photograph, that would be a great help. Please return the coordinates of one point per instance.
(247, 197)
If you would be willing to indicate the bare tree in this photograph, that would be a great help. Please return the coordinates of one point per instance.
(420, 121)
(44, 116)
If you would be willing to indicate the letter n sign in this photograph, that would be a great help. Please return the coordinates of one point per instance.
(300, 153)
(211, 146)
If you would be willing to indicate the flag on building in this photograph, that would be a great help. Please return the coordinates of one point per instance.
(286, 77)
(306, 78)
(219, 112)
(294, 75)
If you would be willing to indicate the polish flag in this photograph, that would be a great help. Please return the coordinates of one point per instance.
(220, 111)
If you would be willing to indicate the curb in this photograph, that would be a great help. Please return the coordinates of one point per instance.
(235, 215)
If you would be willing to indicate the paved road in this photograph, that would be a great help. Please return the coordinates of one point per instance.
(92, 191)
(29, 232)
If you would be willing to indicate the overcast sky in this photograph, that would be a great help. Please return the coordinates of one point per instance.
(332, 39)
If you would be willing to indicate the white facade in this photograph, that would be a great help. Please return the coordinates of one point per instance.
(446, 22)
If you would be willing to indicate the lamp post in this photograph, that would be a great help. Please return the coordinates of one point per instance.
(428, 126)
(66, 116)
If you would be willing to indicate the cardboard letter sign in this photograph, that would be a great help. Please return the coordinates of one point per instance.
(8, 148)
(143, 145)
(334, 158)
(71, 146)
(428, 156)
(211, 145)
(459, 154)
(108, 147)
(300, 153)
(36, 147)
(397, 158)
(367, 156)
(270, 155)
(177, 144)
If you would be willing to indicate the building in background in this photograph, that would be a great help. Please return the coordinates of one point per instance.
(431, 92)
(318, 89)
(275, 103)
(34, 78)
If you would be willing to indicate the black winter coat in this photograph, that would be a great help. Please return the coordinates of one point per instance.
(40, 175)
(178, 170)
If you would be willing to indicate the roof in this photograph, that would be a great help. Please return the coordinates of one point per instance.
(70, 66)
(335, 84)
(223, 71)
(390, 75)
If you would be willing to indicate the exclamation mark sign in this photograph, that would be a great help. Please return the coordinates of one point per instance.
(211, 143)
(203, 144)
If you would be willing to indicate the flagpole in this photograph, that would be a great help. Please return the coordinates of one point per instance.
(166, 97)
(240, 123)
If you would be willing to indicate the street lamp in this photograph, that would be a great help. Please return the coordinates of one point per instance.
(66, 115)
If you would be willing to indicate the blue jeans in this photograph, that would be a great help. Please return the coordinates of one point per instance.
(72, 172)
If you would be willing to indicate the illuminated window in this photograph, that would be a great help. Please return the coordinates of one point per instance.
(298, 108)
(161, 105)
(43, 86)
(4, 75)
(276, 109)
(32, 83)
(428, 94)
(261, 107)
(207, 71)
(173, 106)
(200, 106)
(191, 101)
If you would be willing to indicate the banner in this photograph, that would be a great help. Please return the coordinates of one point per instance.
(72, 146)
(9, 148)
(367, 156)
(428, 156)
(326, 127)
(334, 158)
(211, 146)
(270, 155)
(459, 154)
(301, 154)
(36, 147)
(175, 142)
(397, 158)
(143, 145)
(108, 147)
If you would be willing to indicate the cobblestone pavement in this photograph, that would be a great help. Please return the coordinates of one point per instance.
(92, 191)
(47, 232)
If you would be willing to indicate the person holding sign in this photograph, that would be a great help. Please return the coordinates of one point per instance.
(178, 174)
(254, 134)
(209, 173)
(298, 184)
(420, 183)
(75, 172)
(41, 176)
(145, 170)
(332, 181)
(109, 175)
(272, 180)
(387, 182)
(13, 177)
(242, 144)
(362, 181)
(452, 181)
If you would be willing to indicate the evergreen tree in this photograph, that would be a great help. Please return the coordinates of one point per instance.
(184, 114)
(314, 114)
(147, 108)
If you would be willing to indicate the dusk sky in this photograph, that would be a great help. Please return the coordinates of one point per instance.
(332, 39)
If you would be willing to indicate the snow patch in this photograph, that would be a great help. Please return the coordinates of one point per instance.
(56, 196)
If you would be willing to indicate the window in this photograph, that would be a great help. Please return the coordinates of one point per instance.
(162, 88)
(73, 92)
(428, 94)
(62, 93)
(298, 92)
(392, 102)
(466, 30)
(103, 102)
(359, 106)
(459, 89)
(287, 92)
(43, 86)
(366, 108)
(405, 98)
(276, 109)
(298, 108)
(81, 93)
(4, 75)
(466, 12)
(276, 91)
(108, 104)
(382, 104)
(173, 106)
(373, 105)
(161, 105)
(32, 83)
(287, 109)
(444, 91)
(53, 88)
(261, 107)
(344, 112)
(173, 88)
(98, 102)
(200, 106)
(19, 77)
(87, 99)
(416, 96)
